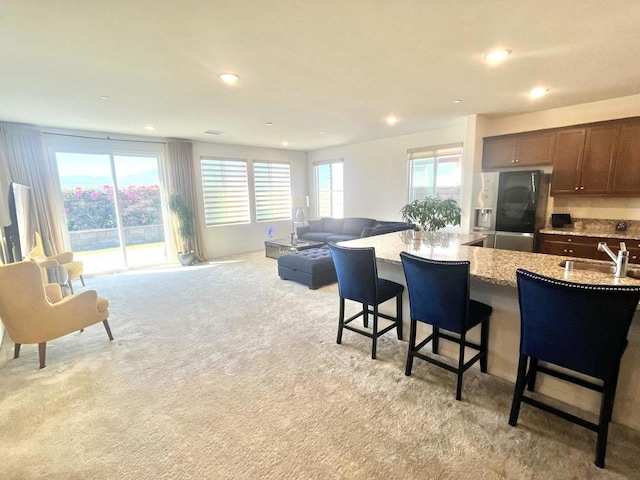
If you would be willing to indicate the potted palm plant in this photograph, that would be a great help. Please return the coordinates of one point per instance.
(183, 216)
(431, 214)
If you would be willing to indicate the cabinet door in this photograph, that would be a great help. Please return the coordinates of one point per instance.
(567, 160)
(498, 152)
(627, 166)
(534, 149)
(597, 162)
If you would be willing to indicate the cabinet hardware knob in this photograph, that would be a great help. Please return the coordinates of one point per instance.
(568, 239)
(576, 189)
(570, 251)
(581, 188)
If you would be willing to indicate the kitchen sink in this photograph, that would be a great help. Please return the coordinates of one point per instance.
(596, 267)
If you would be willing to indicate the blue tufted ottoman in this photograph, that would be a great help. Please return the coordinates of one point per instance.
(313, 267)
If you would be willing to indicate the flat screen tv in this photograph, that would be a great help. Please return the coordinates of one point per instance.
(19, 236)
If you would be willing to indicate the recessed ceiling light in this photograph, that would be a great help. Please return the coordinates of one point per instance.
(538, 92)
(229, 78)
(269, 124)
(321, 133)
(285, 143)
(151, 128)
(391, 120)
(457, 100)
(497, 56)
(105, 97)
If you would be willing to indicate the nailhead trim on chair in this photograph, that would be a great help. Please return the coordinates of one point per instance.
(581, 286)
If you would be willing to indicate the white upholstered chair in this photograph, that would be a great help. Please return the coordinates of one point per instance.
(35, 313)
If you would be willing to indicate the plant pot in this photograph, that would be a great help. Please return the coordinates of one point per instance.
(186, 259)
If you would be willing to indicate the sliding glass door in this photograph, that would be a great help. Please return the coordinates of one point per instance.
(113, 209)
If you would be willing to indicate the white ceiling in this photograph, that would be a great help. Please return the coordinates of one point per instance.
(309, 66)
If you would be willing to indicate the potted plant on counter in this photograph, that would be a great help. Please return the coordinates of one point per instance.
(183, 215)
(431, 214)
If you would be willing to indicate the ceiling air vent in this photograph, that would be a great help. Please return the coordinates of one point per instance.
(214, 132)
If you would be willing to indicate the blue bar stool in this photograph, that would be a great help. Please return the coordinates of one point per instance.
(439, 296)
(582, 328)
(358, 281)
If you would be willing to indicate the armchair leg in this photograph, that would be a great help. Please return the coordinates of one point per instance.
(106, 327)
(42, 351)
(82, 280)
(16, 350)
(70, 286)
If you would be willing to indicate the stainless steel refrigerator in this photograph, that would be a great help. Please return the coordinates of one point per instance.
(509, 207)
(521, 209)
(483, 208)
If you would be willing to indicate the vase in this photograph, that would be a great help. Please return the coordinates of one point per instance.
(186, 259)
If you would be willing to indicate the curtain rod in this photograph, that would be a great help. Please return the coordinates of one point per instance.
(100, 138)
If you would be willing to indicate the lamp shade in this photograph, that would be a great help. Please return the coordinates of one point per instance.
(300, 216)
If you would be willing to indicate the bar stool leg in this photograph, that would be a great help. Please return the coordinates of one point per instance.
(340, 321)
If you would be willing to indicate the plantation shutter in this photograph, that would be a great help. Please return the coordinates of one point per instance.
(272, 181)
(225, 187)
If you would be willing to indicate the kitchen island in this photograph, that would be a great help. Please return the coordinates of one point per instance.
(493, 281)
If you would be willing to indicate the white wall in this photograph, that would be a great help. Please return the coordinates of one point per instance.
(561, 117)
(231, 239)
(375, 173)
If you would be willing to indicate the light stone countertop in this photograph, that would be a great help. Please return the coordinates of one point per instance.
(591, 233)
(490, 265)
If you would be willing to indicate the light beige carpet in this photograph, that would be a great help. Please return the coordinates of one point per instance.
(224, 371)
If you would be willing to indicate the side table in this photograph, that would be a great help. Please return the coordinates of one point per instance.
(275, 248)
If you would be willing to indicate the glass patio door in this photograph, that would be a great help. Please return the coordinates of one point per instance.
(113, 209)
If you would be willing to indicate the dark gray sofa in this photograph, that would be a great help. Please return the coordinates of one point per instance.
(340, 229)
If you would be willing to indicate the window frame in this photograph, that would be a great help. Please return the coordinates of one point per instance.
(316, 179)
(243, 203)
(436, 153)
(284, 210)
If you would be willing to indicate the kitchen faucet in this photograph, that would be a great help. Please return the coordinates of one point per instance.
(621, 260)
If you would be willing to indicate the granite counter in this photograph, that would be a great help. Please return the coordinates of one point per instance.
(493, 281)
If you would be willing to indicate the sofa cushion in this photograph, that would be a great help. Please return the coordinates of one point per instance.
(316, 236)
(316, 225)
(334, 225)
(355, 225)
(341, 237)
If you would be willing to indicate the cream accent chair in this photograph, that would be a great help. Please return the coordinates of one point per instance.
(65, 259)
(35, 313)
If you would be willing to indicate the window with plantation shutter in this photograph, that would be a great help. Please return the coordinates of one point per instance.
(225, 187)
(272, 183)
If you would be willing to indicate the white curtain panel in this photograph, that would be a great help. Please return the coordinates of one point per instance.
(24, 152)
(178, 177)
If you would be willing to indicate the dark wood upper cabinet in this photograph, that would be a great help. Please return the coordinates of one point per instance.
(498, 152)
(626, 179)
(597, 162)
(584, 160)
(519, 150)
(600, 158)
(567, 161)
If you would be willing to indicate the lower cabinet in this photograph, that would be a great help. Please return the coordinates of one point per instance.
(584, 247)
